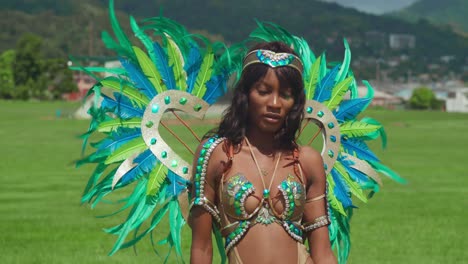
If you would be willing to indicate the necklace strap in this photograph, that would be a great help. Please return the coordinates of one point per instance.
(258, 166)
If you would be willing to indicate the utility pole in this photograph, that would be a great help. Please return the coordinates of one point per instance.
(91, 39)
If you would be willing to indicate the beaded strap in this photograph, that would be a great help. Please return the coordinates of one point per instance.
(199, 198)
(236, 235)
(294, 229)
(320, 221)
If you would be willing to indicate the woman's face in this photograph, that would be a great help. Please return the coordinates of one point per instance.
(269, 103)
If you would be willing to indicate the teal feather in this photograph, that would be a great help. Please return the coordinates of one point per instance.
(345, 65)
(387, 171)
(119, 33)
(369, 95)
(220, 244)
(380, 132)
(97, 173)
(110, 43)
(156, 219)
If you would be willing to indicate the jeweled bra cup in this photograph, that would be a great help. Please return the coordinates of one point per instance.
(234, 192)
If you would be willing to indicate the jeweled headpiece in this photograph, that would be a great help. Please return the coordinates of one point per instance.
(273, 59)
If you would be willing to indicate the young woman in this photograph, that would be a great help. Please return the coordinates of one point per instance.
(264, 191)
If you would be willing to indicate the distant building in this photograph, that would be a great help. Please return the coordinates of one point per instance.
(84, 82)
(402, 41)
(381, 99)
(457, 100)
(112, 64)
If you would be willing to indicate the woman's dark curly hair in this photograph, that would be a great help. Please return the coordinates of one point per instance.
(234, 123)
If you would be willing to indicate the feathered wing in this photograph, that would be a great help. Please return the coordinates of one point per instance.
(351, 167)
(171, 71)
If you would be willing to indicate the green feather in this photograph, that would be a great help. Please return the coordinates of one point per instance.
(306, 54)
(94, 178)
(345, 65)
(370, 94)
(323, 66)
(110, 43)
(314, 73)
(380, 132)
(357, 129)
(95, 157)
(134, 146)
(117, 71)
(353, 88)
(334, 203)
(119, 33)
(108, 126)
(204, 74)
(156, 179)
(176, 224)
(149, 69)
(125, 88)
(140, 34)
(353, 186)
(177, 64)
(338, 92)
(387, 171)
(219, 243)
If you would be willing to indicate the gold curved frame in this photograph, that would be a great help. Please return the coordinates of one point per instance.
(160, 104)
(324, 118)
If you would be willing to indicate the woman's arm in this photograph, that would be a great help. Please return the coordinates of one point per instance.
(200, 220)
(315, 214)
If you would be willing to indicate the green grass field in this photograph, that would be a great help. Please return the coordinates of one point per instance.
(42, 220)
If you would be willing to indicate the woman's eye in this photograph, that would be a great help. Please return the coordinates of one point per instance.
(262, 92)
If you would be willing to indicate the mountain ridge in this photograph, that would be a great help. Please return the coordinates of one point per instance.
(77, 30)
(448, 12)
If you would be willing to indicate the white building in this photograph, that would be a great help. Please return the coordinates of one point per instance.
(402, 41)
(457, 100)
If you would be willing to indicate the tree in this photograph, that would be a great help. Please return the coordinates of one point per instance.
(7, 80)
(35, 76)
(424, 98)
(28, 56)
(58, 78)
(27, 67)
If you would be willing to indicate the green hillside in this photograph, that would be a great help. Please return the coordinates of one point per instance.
(74, 27)
(449, 12)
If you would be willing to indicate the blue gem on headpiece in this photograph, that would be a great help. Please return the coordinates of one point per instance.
(274, 59)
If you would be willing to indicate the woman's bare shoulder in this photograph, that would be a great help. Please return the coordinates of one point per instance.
(309, 154)
(311, 162)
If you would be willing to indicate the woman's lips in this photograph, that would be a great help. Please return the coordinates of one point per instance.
(272, 118)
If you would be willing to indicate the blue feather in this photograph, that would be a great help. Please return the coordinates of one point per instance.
(177, 184)
(349, 109)
(117, 138)
(146, 162)
(341, 191)
(215, 88)
(192, 67)
(355, 175)
(121, 106)
(358, 148)
(162, 64)
(139, 79)
(325, 86)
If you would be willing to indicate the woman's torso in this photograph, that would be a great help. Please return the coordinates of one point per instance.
(269, 235)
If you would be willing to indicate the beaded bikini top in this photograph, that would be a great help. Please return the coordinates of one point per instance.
(238, 188)
(234, 220)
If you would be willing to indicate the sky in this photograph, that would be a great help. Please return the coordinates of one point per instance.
(374, 6)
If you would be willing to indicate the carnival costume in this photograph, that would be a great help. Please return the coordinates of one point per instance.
(176, 74)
